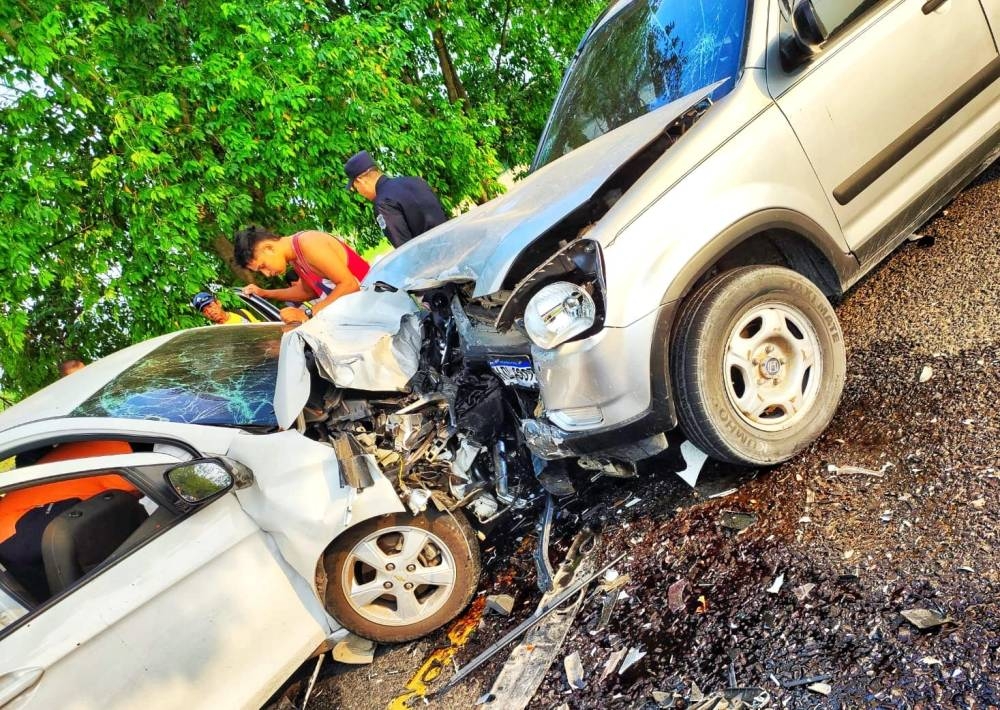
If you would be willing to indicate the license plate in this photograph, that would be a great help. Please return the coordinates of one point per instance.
(514, 371)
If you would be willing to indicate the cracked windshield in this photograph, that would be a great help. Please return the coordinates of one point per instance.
(222, 377)
(645, 56)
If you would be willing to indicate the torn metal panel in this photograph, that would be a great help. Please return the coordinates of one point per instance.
(481, 245)
(366, 340)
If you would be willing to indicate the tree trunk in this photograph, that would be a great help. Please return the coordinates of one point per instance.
(452, 81)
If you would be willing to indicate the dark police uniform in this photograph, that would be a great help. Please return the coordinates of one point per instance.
(406, 207)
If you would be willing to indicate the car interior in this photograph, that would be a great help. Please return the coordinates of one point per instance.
(57, 544)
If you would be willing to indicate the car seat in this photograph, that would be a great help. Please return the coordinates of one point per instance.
(84, 536)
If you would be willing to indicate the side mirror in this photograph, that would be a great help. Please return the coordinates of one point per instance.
(198, 481)
(808, 34)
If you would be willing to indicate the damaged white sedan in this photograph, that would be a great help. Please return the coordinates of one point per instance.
(165, 540)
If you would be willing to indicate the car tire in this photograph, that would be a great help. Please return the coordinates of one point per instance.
(399, 577)
(758, 365)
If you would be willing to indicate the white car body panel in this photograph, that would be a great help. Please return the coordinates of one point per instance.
(168, 626)
(300, 499)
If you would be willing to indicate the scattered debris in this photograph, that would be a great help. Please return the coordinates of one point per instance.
(979, 503)
(574, 671)
(702, 605)
(612, 663)
(925, 618)
(723, 494)
(736, 520)
(531, 659)
(803, 590)
(354, 650)
(634, 655)
(662, 699)
(821, 688)
(675, 595)
(799, 682)
(833, 468)
(776, 584)
(695, 695)
(694, 461)
(926, 374)
(930, 661)
(734, 699)
(922, 240)
(501, 604)
(532, 621)
(312, 679)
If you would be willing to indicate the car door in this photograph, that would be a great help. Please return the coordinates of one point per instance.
(200, 614)
(892, 109)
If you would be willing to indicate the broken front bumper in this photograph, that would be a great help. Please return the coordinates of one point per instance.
(605, 392)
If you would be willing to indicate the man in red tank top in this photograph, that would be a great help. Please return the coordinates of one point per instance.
(327, 268)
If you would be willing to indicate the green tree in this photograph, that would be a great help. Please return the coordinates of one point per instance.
(135, 136)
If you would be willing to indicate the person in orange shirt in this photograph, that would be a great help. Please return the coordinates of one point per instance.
(24, 513)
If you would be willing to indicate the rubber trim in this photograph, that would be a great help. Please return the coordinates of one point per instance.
(878, 166)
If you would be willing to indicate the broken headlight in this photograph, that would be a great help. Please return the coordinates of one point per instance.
(557, 313)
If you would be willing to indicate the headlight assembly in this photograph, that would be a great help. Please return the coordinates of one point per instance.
(557, 313)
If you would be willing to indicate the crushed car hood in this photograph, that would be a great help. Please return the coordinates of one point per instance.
(482, 244)
(365, 340)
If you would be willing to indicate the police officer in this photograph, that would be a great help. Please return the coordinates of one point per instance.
(404, 206)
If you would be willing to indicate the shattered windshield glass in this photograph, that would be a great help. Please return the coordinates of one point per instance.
(649, 53)
(221, 375)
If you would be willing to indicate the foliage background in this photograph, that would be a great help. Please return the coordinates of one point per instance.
(136, 135)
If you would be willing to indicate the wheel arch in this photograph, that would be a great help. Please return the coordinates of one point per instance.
(779, 237)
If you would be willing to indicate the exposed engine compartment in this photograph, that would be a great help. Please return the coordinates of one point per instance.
(451, 441)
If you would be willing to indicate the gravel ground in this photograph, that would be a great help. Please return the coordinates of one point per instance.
(917, 531)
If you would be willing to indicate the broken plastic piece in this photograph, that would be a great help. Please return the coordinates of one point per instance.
(354, 650)
(821, 688)
(777, 584)
(574, 671)
(925, 618)
(501, 604)
(694, 461)
(612, 663)
(634, 655)
(675, 595)
(736, 520)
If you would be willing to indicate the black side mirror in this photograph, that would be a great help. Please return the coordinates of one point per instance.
(807, 36)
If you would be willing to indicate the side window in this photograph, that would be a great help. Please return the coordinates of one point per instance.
(838, 15)
(54, 535)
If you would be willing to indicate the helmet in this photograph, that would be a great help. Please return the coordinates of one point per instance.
(201, 300)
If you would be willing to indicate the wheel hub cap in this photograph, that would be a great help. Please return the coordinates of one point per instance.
(772, 366)
(399, 576)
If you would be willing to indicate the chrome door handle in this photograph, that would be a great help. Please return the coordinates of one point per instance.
(932, 5)
(16, 682)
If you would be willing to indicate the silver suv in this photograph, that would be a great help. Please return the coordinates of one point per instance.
(713, 175)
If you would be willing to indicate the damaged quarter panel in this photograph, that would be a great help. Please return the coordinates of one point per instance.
(300, 500)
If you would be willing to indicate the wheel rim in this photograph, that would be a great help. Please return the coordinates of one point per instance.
(399, 576)
(773, 366)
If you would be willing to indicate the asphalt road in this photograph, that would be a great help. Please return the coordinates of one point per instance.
(918, 530)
